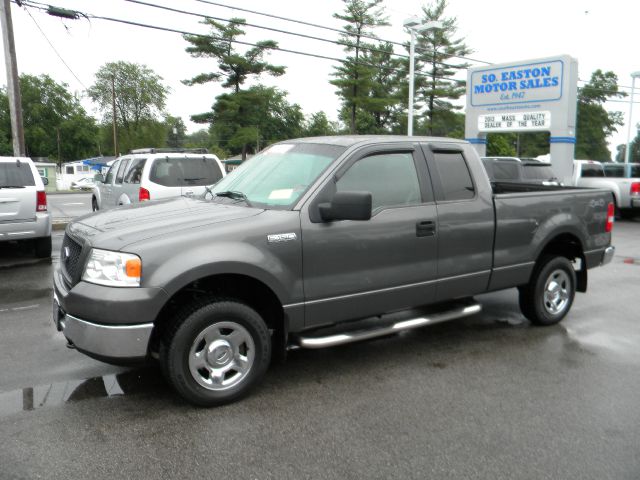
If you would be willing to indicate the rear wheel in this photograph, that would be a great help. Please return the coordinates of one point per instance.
(43, 247)
(216, 352)
(548, 297)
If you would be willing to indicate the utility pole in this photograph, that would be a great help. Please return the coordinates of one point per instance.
(13, 83)
(59, 154)
(113, 106)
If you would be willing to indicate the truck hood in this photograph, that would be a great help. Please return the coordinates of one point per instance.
(124, 225)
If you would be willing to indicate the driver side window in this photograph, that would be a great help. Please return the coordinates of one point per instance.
(109, 178)
(390, 177)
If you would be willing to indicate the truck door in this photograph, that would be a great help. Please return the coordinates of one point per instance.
(355, 269)
(465, 220)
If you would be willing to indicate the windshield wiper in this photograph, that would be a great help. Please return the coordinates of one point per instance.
(11, 186)
(234, 194)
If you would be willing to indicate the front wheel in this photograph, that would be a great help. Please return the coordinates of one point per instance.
(94, 204)
(216, 352)
(548, 297)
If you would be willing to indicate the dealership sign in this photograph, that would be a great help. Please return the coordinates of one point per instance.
(535, 82)
(526, 96)
(515, 122)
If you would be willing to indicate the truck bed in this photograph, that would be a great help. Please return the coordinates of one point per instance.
(526, 214)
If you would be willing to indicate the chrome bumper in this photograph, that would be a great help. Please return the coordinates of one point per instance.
(110, 341)
(608, 255)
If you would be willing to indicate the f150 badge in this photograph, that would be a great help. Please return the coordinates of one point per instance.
(281, 237)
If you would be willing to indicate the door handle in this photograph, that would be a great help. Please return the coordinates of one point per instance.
(425, 228)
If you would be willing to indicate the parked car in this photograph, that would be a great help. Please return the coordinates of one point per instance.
(23, 205)
(315, 243)
(626, 191)
(153, 174)
(512, 169)
(83, 184)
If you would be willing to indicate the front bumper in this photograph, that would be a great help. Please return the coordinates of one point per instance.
(126, 343)
(607, 255)
(107, 323)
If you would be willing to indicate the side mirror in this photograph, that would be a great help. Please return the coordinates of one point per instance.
(45, 181)
(98, 178)
(347, 206)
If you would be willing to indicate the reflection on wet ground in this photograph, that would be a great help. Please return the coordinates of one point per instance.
(147, 380)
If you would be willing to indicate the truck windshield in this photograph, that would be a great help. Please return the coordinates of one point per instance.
(279, 175)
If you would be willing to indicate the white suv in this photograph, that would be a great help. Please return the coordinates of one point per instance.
(154, 173)
(23, 205)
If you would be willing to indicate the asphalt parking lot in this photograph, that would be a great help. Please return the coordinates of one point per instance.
(487, 397)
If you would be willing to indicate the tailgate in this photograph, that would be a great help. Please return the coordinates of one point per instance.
(17, 192)
(17, 204)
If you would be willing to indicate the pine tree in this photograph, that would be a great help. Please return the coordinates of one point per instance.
(436, 52)
(354, 76)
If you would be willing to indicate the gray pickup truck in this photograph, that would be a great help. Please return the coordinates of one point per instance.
(314, 243)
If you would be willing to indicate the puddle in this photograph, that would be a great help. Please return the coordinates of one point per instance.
(55, 394)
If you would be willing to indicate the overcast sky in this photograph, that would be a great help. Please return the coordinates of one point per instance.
(599, 34)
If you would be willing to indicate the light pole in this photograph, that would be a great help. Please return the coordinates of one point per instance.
(627, 152)
(414, 25)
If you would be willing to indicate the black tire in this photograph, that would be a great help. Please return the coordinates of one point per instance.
(43, 247)
(94, 204)
(537, 307)
(180, 341)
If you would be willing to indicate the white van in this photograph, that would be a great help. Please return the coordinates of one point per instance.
(153, 174)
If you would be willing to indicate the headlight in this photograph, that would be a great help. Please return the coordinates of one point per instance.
(114, 269)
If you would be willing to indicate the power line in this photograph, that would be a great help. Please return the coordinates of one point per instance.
(343, 32)
(286, 32)
(54, 49)
(240, 42)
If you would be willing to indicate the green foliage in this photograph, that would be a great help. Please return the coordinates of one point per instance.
(594, 123)
(247, 120)
(233, 67)
(435, 58)
(448, 123)
(501, 145)
(148, 133)
(140, 99)
(176, 131)
(635, 150)
(356, 76)
(318, 125)
(518, 144)
(49, 110)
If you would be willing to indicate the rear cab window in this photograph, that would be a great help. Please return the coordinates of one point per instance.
(185, 171)
(506, 170)
(537, 172)
(16, 174)
(453, 176)
(592, 170)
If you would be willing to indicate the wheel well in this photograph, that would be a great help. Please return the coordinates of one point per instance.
(569, 246)
(243, 288)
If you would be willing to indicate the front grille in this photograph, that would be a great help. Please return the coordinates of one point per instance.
(70, 257)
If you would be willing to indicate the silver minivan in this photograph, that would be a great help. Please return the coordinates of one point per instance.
(153, 174)
(23, 205)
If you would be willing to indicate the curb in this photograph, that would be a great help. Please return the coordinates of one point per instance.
(59, 224)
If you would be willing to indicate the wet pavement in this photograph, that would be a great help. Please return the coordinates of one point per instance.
(484, 397)
(69, 205)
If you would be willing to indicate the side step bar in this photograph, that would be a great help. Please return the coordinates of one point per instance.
(358, 335)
